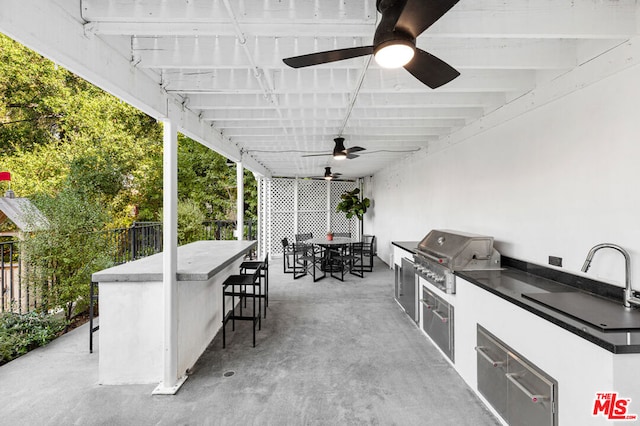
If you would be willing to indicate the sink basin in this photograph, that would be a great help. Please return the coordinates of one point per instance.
(603, 314)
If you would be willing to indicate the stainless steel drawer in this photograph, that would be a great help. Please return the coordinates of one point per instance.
(437, 321)
(531, 395)
(492, 369)
(520, 392)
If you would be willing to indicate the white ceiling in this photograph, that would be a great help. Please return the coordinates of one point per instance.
(223, 60)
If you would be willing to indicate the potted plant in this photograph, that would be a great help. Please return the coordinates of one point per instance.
(329, 236)
(353, 205)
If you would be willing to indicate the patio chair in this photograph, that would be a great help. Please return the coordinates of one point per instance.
(262, 268)
(347, 260)
(287, 257)
(309, 259)
(236, 286)
(368, 252)
(303, 237)
(342, 234)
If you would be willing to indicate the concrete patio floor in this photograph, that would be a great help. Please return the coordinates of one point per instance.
(328, 353)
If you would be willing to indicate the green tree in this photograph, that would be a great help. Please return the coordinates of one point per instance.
(56, 127)
(190, 219)
(61, 257)
(205, 177)
(31, 89)
(51, 122)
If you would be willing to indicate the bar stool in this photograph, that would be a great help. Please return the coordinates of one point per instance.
(236, 286)
(262, 268)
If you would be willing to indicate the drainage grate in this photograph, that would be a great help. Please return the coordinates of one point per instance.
(229, 373)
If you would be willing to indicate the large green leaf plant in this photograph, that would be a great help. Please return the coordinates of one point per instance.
(353, 205)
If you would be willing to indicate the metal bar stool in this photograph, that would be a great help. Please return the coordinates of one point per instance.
(262, 268)
(236, 286)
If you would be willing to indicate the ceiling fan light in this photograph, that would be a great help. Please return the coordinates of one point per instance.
(327, 173)
(339, 155)
(339, 151)
(394, 54)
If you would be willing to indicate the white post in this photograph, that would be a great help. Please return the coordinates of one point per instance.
(329, 213)
(295, 206)
(260, 237)
(171, 382)
(240, 206)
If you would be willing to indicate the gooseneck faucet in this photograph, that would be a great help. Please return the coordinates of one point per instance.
(629, 297)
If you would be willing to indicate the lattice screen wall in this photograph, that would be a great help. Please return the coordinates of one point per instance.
(292, 206)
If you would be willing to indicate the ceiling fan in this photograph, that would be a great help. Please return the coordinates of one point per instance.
(329, 176)
(394, 42)
(339, 151)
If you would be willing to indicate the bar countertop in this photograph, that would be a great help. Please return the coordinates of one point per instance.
(197, 261)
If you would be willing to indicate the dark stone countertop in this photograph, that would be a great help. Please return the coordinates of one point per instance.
(409, 246)
(518, 278)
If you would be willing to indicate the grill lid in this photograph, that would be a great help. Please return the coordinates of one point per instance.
(459, 250)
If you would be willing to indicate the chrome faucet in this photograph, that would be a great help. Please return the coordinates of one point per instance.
(629, 297)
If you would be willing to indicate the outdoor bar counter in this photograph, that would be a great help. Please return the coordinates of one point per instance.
(131, 309)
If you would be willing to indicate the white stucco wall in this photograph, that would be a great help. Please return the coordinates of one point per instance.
(554, 181)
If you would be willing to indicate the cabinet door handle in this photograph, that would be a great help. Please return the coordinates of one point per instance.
(426, 304)
(513, 378)
(483, 354)
(439, 315)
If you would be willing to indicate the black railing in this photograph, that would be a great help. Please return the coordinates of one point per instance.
(140, 240)
(223, 230)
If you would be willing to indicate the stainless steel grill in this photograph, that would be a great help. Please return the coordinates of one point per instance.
(442, 252)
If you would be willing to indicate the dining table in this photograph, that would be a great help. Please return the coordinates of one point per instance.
(334, 243)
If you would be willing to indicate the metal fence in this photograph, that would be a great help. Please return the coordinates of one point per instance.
(11, 297)
(140, 240)
(224, 229)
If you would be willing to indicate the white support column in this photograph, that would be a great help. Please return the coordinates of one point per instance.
(329, 205)
(295, 206)
(171, 381)
(240, 204)
(261, 246)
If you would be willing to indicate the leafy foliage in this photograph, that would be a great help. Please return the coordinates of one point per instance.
(90, 161)
(20, 333)
(55, 127)
(352, 205)
(31, 89)
(62, 257)
(190, 219)
(205, 177)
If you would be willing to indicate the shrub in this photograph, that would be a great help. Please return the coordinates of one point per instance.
(61, 258)
(20, 333)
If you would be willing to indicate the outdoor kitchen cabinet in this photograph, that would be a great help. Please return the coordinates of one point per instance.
(520, 392)
(581, 368)
(437, 321)
(406, 286)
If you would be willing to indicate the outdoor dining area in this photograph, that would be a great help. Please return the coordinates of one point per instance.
(336, 254)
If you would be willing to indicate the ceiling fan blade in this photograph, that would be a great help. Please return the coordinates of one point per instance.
(430, 70)
(355, 149)
(316, 155)
(327, 56)
(418, 15)
(352, 156)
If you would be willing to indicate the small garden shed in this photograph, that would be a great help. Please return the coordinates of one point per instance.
(17, 215)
